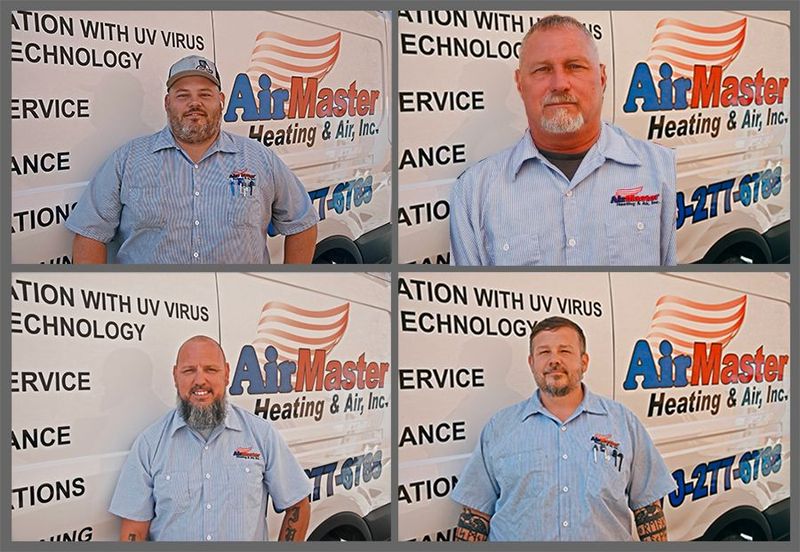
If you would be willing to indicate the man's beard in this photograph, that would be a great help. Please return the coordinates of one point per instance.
(193, 133)
(562, 121)
(202, 418)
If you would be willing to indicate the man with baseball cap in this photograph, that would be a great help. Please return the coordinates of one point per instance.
(193, 193)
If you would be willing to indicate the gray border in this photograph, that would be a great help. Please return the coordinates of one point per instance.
(394, 267)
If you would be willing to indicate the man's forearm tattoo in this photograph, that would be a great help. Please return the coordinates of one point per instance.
(650, 523)
(292, 515)
(472, 526)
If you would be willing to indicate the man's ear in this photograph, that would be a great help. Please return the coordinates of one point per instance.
(603, 77)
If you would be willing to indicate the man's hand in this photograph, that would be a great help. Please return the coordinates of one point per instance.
(295, 522)
(88, 251)
(299, 248)
(650, 522)
(473, 525)
(131, 531)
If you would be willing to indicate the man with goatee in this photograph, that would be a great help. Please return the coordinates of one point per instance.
(565, 464)
(204, 471)
(192, 193)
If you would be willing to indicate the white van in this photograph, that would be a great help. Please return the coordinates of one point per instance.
(91, 368)
(728, 119)
(84, 83)
(719, 416)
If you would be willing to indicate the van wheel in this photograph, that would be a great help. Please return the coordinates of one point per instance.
(335, 256)
(345, 533)
(742, 531)
(740, 256)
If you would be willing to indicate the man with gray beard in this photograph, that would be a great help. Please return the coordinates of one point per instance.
(193, 193)
(565, 464)
(574, 190)
(204, 471)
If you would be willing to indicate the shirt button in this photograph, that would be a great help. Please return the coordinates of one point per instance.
(208, 537)
(196, 193)
(505, 247)
(563, 428)
(571, 242)
(565, 489)
(569, 193)
(208, 506)
(640, 225)
(564, 456)
(247, 470)
(196, 166)
(565, 523)
(167, 478)
(206, 447)
(197, 223)
(196, 254)
(208, 476)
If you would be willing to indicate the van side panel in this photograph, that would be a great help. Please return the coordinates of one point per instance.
(715, 87)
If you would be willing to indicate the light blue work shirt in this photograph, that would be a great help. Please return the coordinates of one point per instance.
(541, 479)
(162, 207)
(191, 489)
(516, 208)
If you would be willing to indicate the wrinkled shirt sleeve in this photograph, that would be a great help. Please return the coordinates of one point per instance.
(292, 209)
(465, 240)
(97, 213)
(669, 256)
(133, 498)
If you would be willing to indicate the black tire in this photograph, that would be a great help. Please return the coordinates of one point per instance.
(336, 256)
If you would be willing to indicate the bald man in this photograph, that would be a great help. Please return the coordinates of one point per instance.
(204, 470)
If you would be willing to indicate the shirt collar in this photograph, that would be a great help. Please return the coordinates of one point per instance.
(591, 403)
(610, 145)
(224, 142)
(231, 421)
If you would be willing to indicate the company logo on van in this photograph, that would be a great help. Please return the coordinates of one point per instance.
(684, 44)
(684, 322)
(289, 328)
(689, 61)
(698, 333)
(296, 344)
(283, 81)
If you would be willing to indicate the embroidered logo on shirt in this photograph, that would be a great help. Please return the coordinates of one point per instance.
(606, 449)
(247, 453)
(629, 196)
(241, 183)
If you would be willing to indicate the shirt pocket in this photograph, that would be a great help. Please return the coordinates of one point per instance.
(522, 473)
(245, 211)
(634, 235)
(521, 249)
(607, 475)
(146, 204)
(171, 493)
(245, 485)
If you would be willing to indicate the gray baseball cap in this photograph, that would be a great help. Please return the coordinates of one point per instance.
(193, 65)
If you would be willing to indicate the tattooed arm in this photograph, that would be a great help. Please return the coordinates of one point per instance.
(295, 522)
(650, 522)
(473, 525)
(131, 530)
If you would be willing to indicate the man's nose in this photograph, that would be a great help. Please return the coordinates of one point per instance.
(559, 80)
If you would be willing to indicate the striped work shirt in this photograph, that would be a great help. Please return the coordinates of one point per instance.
(162, 207)
(191, 489)
(516, 208)
(541, 479)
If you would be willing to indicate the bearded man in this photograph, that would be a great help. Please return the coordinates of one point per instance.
(565, 464)
(192, 193)
(204, 471)
(574, 190)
